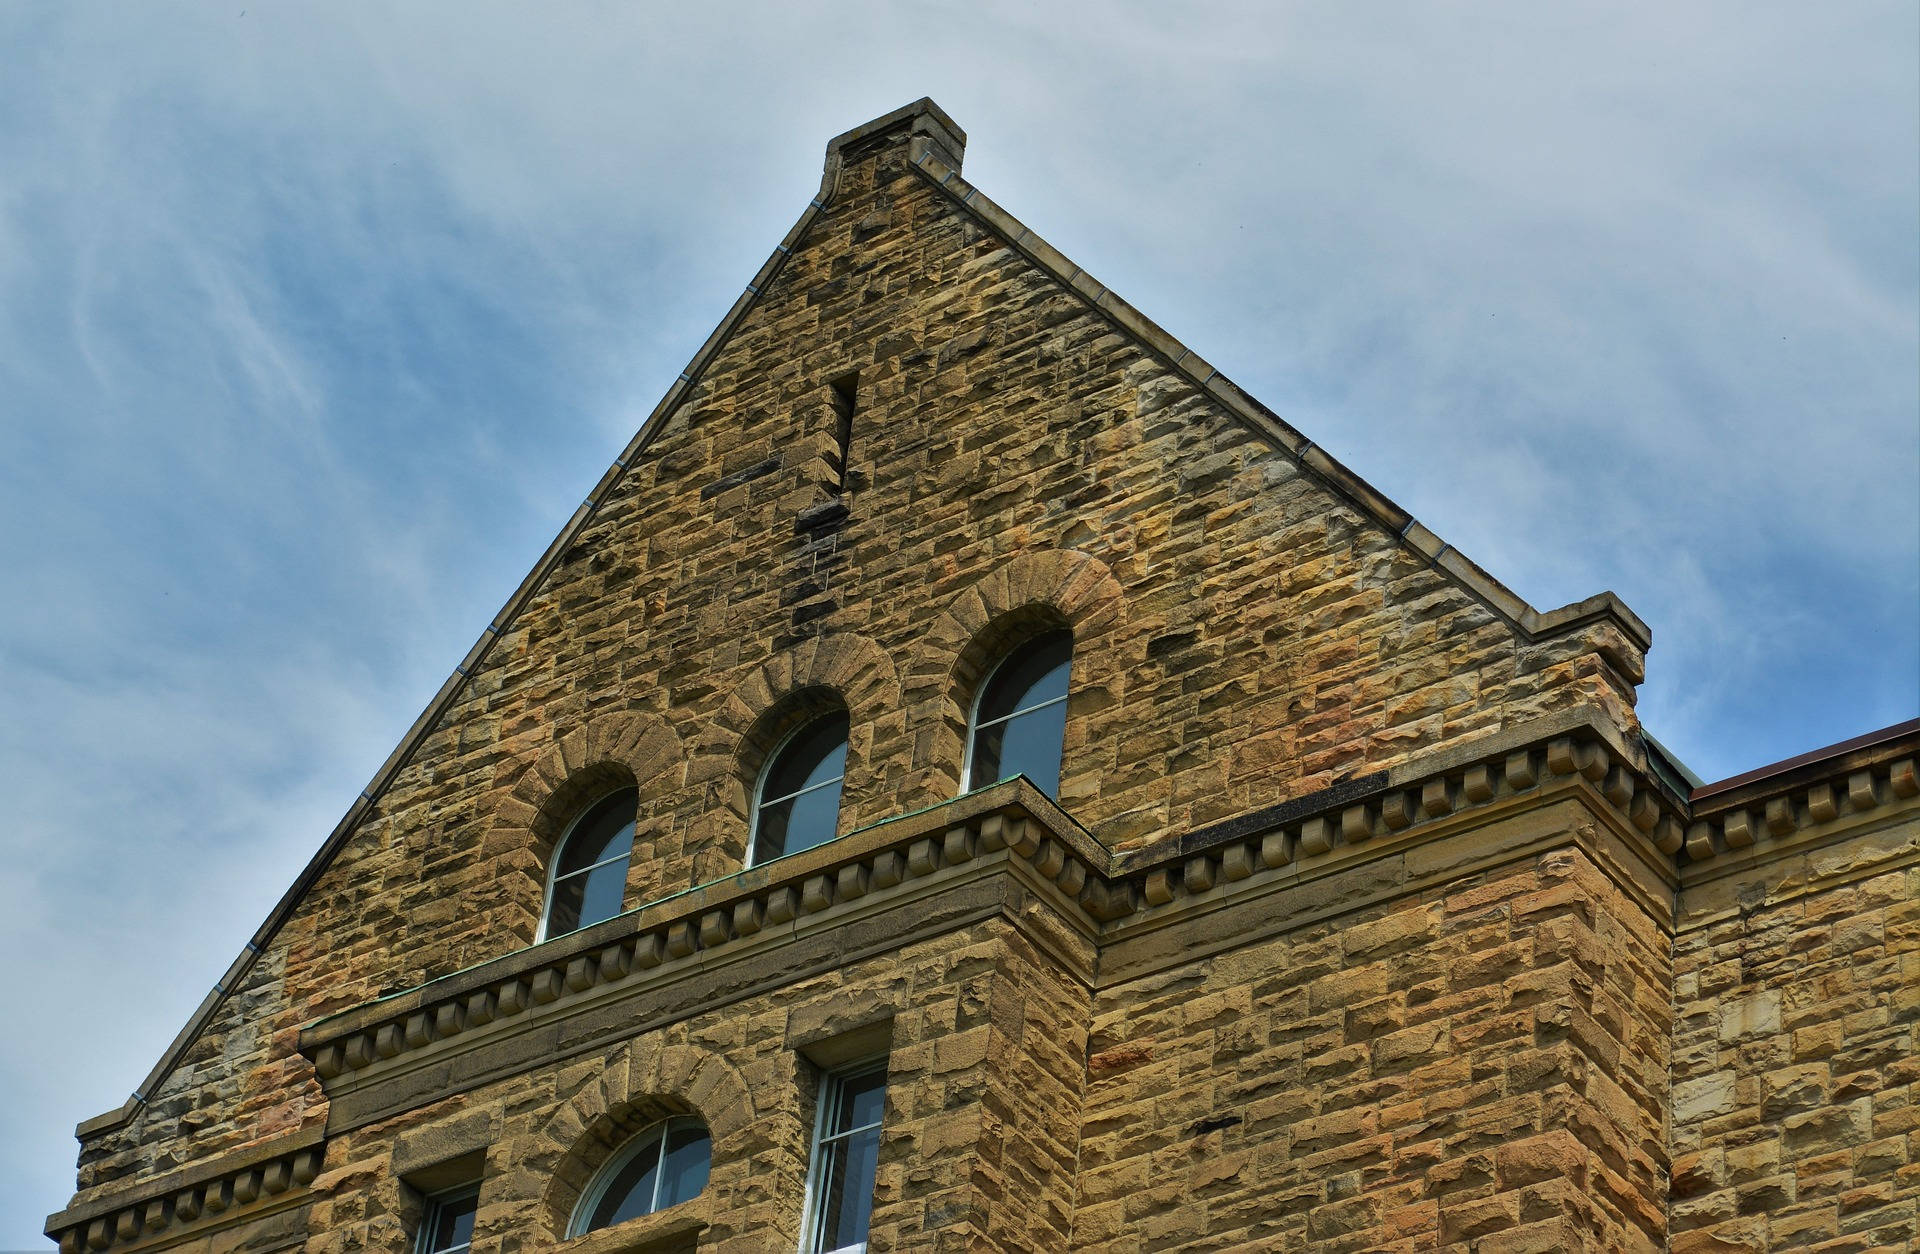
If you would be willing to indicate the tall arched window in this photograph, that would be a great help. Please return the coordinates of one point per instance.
(663, 1166)
(589, 879)
(797, 805)
(1020, 718)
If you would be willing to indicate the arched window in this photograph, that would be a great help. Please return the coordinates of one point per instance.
(797, 805)
(1020, 718)
(589, 880)
(663, 1166)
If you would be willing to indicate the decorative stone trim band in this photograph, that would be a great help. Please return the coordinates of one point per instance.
(1402, 807)
(1854, 789)
(1011, 817)
(1107, 889)
(195, 1197)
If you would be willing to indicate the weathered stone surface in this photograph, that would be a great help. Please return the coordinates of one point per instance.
(1460, 1031)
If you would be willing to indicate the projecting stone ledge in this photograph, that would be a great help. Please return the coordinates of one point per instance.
(984, 853)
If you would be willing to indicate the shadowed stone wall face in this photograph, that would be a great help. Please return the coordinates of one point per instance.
(1795, 1056)
(1353, 928)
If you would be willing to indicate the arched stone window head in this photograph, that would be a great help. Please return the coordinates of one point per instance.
(1020, 717)
(663, 1166)
(589, 878)
(797, 804)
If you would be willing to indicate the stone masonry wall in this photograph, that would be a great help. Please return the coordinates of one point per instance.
(1796, 1058)
(1242, 635)
(983, 1037)
(1478, 1066)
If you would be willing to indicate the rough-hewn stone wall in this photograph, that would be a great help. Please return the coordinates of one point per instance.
(1796, 1056)
(1243, 635)
(1480, 1065)
(983, 1053)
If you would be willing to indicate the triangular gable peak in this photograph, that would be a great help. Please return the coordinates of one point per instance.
(1600, 625)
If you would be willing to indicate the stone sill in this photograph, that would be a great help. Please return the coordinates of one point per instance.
(665, 1232)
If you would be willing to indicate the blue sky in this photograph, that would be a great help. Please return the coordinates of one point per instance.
(316, 322)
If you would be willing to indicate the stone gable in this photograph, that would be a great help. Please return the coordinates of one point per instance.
(919, 433)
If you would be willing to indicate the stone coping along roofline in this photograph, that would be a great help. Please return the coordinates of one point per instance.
(945, 175)
(937, 148)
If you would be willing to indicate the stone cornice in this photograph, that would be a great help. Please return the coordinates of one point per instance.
(1817, 798)
(1015, 824)
(1421, 800)
(918, 874)
(918, 867)
(763, 902)
(243, 1185)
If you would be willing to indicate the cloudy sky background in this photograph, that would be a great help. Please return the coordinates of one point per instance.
(315, 325)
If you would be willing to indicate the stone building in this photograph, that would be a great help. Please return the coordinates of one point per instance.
(971, 778)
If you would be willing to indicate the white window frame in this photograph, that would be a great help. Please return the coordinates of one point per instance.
(560, 847)
(430, 1218)
(967, 782)
(760, 802)
(654, 1135)
(831, 1084)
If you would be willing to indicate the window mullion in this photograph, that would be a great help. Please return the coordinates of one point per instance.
(595, 867)
(825, 783)
(1025, 709)
(660, 1164)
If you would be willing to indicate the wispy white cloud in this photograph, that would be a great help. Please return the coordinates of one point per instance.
(314, 323)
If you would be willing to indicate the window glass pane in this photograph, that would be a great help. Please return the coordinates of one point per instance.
(668, 1166)
(1029, 744)
(815, 756)
(606, 831)
(605, 893)
(683, 1173)
(798, 823)
(1036, 673)
(862, 1098)
(845, 1159)
(987, 743)
(563, 911)
(582, 891)
(581, 900)
(800, 797)
(451, 1225)
(630, 1193)
(847, 1181)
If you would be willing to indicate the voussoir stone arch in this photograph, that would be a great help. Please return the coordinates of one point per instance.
(1030, 593)
(838, 670)
(609, 750)
(637, 1085)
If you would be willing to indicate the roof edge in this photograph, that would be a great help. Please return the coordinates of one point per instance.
(1814, 761)
(1531, 623)
(929, 124)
